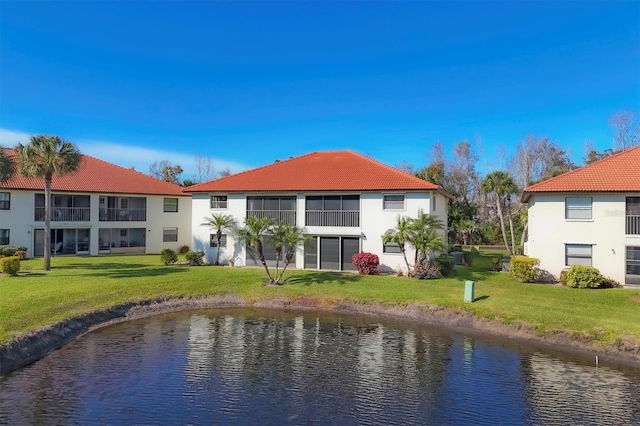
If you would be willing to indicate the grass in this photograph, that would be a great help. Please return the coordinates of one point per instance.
(78, 285)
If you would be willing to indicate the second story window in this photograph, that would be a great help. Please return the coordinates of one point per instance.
(170, 205)
(5, 200)
(218, 201)
(578, 208)
(393, 202)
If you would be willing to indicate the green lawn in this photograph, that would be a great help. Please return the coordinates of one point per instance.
(78, 285)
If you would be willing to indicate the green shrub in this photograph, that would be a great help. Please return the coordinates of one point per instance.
(607, 282)
(446, 263)
(468, 257)
(195, 258)
(579, 276)
(10, 250)
(524, 269)
(10, 265)
(184, 249)
(168, 256)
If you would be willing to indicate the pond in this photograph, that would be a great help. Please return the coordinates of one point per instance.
(265, 367)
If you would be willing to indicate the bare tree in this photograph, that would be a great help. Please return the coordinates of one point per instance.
(626, 130)
(405, 167)
(204, 168)
(224, 172)
(166, 171)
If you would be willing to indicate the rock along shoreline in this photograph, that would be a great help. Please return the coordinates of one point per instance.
(33, 346)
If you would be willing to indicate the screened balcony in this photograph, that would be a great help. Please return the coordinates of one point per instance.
(632, 217)
(123, 209)
(278, 209)
(64, 208)
(333, 210)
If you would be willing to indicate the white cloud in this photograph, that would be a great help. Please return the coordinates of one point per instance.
(127, 155)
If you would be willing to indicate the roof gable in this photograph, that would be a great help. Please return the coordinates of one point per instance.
(318, 171)
(619, 172)
(95, 175)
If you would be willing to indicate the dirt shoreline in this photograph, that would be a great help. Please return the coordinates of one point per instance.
(31, 347)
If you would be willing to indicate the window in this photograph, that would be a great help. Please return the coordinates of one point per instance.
(5, 200)
(213, 240)
(434, 202)
(218, 201)
(171, 205)
(578, 254)
(169, 235)
(4, 237)
(633, 265)
(391, 248)
(578, 208)
(393, 202)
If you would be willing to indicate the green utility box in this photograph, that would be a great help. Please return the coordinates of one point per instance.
(469, 290)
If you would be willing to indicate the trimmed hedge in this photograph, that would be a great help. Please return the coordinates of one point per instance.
(10, 250)
(10, 265)
(195, 258)
(524, 269)
(366, 263)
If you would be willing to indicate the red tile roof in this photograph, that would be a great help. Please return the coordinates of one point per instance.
(318, 171)
(95, 175)
(617, 173)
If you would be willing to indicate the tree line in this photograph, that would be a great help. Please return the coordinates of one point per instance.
(486, 209)
(205, 171)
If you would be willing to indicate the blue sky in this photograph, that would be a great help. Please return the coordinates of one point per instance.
(250, 82)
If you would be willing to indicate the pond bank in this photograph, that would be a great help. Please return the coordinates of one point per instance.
(33, 346)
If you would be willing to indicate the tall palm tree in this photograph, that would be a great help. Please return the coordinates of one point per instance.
(501, 184)
(254, 230)
(221, 223)
(277, 237)
(45, 157)
(400, 235)
(424, 237)
(294, 238)
(6, 166)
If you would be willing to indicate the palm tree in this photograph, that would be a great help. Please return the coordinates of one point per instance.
(294, 237)
(400, 235)
(43, 157)
(424, 237)
(6, 166)
(466, 228)
(277, 237)
(501, 184)
(221, 223)
(253, 232)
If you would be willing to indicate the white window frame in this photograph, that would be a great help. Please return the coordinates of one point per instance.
(385, 206)
(213, 241)
(219, 204)
(572, 205)
(165, 235)
(164, 205)
(575, 255)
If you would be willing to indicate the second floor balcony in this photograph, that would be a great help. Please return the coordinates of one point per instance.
(332, 218)
(288, 217)
(64, 214)
(123, 215)
(632, 224)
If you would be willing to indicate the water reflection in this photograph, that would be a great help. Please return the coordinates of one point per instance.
(238, 367)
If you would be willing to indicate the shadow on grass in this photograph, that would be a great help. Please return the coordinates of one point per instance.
(101, 266)
(324, 278)
(477, 299)
(122, 270)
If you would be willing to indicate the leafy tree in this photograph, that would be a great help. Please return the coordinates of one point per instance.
(466, 228)
(6, 166)
(254, 230)
(400, 235)
(188, 182)
(166, 171)
(277, 237)
(593, 155)
(224, 173)
(501, 184)
(220, 222)
(45, 157)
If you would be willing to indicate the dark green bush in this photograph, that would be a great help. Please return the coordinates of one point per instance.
(579, 276)
(468, 257)
(184, 249)
(524, 269)
(195, 258)
(562, 278)
(168, 256)
(11, 250)
(10, 265)
(607, 282)
(446, 263)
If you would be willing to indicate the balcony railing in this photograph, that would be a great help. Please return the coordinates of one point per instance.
(65, 214)
(123, 215)
(332, 218)
(288, 217)
(633, 225)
